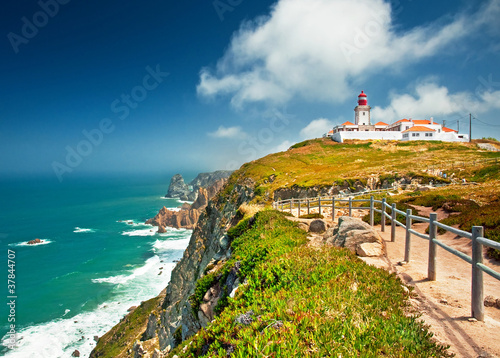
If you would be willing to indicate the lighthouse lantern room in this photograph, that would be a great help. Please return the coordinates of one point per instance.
(362, 111)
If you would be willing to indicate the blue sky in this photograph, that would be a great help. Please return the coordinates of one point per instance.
(162, 86)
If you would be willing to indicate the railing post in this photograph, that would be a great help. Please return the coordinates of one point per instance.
(291, 206)
(431, 271)
(477, 275)
(319, 205)
(298, 215)
(350, 207)
(281, 205)
(371, 211)
(382, 220)
(393, 223)
(408, 235)
(333, 208)
(308, 206)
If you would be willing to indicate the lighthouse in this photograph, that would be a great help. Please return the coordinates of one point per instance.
(362, 111)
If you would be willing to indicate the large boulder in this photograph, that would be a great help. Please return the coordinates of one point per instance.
(317, 226)
(357, 236)
(177, 187)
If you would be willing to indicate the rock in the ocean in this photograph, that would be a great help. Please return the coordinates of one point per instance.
(34, 242)
(177, 187)
(76, 353)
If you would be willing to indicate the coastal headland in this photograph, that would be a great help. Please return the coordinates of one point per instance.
(253, 283)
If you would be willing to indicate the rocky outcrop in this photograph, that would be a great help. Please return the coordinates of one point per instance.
(180, 190)
(34, 242)
(177, 188)
(187, 216)
(205, 180)
(357, 236)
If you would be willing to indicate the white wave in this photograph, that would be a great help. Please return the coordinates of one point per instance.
(66, 311)
(80, 230)
(25, 243)
(163, 245)
(150, 231)
(61, 337)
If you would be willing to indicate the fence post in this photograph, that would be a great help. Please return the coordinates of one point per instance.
(431, 271)
(382, 220)
(333, 208)
(350, 207)
(298, 215)
(408, 235)
(291, 206)
(319, 205)
(393, 223)
(371, 211)
(477, 275)
(308, 206)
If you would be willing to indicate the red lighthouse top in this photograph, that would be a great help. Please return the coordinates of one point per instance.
(362, 101)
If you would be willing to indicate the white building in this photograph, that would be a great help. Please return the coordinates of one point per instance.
(404, 129)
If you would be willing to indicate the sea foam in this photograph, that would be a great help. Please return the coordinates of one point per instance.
(61, 337)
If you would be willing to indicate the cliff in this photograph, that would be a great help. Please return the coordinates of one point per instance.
(176, 320)
(179, 189)
(188, 215)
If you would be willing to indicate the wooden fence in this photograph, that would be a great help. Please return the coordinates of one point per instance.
(390, 212)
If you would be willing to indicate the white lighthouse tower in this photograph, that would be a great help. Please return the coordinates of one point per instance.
(362, 111)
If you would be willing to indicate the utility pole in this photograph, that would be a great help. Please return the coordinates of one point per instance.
(444, 123)
(470, 127)
(458, 126)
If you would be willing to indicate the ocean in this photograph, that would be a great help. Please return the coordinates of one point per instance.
(97, 259)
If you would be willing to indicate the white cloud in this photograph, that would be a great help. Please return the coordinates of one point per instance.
(282, 147)
(428, 99)
(316, 128)
(317, 49)
(230, 132)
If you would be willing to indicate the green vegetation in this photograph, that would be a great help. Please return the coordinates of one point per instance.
(121, 337)
(300, 301)
(322, 162)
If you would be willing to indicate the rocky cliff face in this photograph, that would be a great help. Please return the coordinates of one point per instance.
(188, 215)
(207, 243)
(175, 321)
(179, 189)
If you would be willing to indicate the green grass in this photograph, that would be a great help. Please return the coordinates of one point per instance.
(322, 162)
(307, 302)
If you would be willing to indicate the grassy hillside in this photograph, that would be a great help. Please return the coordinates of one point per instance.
(305, 302)
(322, 161)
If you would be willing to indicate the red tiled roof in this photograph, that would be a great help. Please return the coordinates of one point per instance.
(348, 124)
(449, 130)
(402, 120)
(421, 121)
(381, 124)
(419, 129)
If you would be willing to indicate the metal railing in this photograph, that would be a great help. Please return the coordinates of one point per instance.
(478, 241)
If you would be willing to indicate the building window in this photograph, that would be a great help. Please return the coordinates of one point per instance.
(414, 134)
(364, 113)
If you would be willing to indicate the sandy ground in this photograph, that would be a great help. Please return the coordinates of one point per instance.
(445, 304)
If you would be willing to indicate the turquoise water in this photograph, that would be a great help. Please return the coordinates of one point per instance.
(92, 266)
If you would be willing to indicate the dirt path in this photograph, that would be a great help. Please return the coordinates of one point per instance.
(445, 304)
